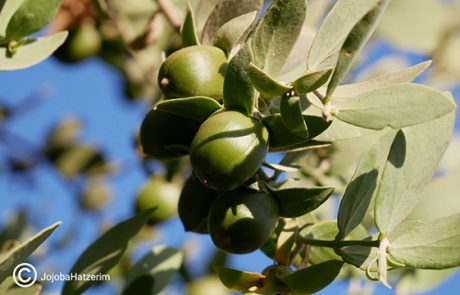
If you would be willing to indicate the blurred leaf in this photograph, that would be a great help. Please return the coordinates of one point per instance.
(7, 10)
(414, 156)
(202, 12)
(159, 266)
(355, 40)
(433, 199)
(276, 34)
(80, 159)
(281, 168)
(431, 245)
(207, 285)
(197, 108)
(14, 229)
(267, 86)
(396, 106)
(224, 11)
(104, 253)
(314, 278)
(291, 114)
(11, 288)
(230, 33)
(295, 202)
(311, 81)
(402, 76)
(189, 36)
(238, 280)
(31, 53)
(423, 280)
(64, 133)
(362, 187)
(281, 138)
(19, 253)
(428, 21)
(336, 27)
(31, 17)
(238, 90)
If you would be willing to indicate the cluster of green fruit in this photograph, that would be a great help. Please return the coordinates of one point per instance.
(226, 149)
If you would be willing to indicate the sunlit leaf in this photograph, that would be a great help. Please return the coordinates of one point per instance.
(189, 35)
(153, 271)
(267, 86)
(31, 53)
(105, 252)
(238, 280)
(276, 34)
(230, 33)
(11, 288)
(291, 114)
(311, 81)
(19, 253)
(7, 10)
(423, 280)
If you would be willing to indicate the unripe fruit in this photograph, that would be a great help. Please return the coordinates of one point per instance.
(228, 149)
(194, 203)
(241, 221)
(165, 136)
(82, 43)
(194, 71)
(157, 192)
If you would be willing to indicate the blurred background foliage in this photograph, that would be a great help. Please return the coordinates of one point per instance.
(69, 147)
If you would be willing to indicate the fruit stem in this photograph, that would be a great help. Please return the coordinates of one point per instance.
(339, 244)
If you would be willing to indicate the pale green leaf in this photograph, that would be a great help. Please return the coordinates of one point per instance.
(224, 11)
(412, 161)
(276, 34)
(7, 10)
(231, 32)
(362, 187)
(189, 35)
(202, 12)
(267, 86)
(153, 271)
(314, 278)
(336, 27)
(423, 280)
(30, 17)
(31, 53)
(291, 114)
(355, 40)
(396, 106)
(11, 288)
(431, 245)
(19, 253)
(311, 81)
(105, 252)
(238, 280)
(238, 90)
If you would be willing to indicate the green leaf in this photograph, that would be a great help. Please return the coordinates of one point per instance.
(295, 202)
(197, 108)
(402, 76)
(355, 40)
(238, 280)
(281, 138)
(363, 185)
(414, 156)
(396, 106)
(153, 271)
(19, 253)
(291, 114)
(31, 53)
(224, 11)
(336, 27)
(431, 245)
(203, 10)
(422, 280)
(311, 81)
(276, 34)
(267, 86)
(314, 278)
(362, 257)
(238, 90)
(189, 36)
(79, 159)
(105, 252)
(11, 288)
(31, 17)
(7, 10)
(231, 32)
(285, 242)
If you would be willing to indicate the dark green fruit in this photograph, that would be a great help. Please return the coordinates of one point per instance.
(82, 43)
(157, 192)
(193, 71)
(241, 221)
(166, 136)
(194, 203)
(228, 149)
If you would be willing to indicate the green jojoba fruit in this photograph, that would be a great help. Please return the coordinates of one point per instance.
(82, 43)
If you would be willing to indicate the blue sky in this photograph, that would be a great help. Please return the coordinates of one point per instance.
(93, 92)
